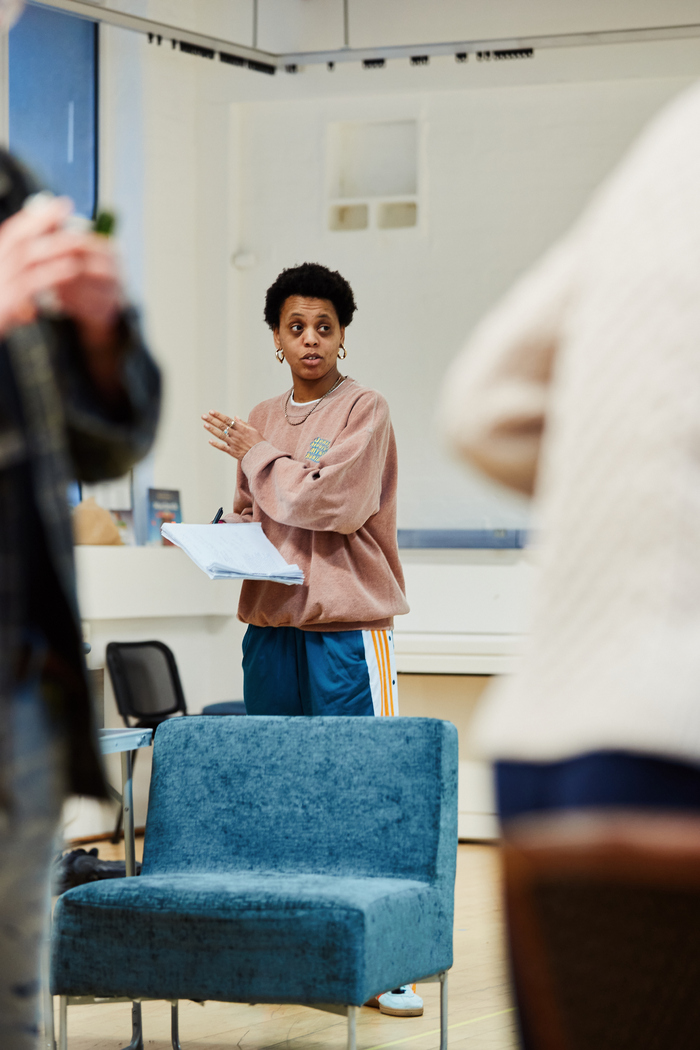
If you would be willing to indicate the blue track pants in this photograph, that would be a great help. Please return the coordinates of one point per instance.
(287, 671)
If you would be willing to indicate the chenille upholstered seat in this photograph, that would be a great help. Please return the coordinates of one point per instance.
(287, 860)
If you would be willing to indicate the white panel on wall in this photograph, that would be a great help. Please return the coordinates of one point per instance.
(468, 592)
(348, 217)
(373, 174)
(375, 159)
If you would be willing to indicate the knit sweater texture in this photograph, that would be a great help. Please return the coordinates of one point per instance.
(325, 494)
(585, 384)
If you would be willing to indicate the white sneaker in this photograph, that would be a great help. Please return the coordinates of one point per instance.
(401, 1002)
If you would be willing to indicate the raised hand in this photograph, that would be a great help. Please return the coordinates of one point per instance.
(230, 434)
(76, 271)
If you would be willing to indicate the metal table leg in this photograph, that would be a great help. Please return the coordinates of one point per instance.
(49, 1037)
(130, 857)
(128, 810)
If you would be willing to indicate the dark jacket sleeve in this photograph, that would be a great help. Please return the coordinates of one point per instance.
(105, 439)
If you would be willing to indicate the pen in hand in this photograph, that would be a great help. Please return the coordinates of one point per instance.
(218, 514)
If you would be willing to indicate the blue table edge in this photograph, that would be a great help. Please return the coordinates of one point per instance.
(114, 740)
(462, 539)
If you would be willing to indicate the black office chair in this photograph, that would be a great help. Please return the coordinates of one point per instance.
(146, 683)
(147, 689)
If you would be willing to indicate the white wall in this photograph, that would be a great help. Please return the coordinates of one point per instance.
(204, 161)
(165, 167)
(214, 160)
(504, 170)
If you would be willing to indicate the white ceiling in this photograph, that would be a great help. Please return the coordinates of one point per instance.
(303, 25)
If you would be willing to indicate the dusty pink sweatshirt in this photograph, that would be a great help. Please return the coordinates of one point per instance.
(325, 493)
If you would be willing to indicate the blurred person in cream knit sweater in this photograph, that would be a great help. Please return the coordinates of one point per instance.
(583, 389)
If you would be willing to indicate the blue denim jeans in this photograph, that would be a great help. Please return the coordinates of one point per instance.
(34, 775)
(595, 779)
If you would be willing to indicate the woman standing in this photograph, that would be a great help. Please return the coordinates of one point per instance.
(317, 467)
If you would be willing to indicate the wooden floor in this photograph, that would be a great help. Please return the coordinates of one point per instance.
(480, 1012)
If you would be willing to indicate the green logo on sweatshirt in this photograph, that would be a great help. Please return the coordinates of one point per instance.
(319, 447)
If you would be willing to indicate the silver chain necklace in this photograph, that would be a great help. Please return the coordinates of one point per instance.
(298, 422)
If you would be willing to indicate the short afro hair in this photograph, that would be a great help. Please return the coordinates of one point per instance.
(312, 281)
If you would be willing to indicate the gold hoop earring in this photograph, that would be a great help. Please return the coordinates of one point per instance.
(279, 354)
(345, 353)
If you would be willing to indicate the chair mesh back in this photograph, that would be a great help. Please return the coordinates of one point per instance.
(145, 679)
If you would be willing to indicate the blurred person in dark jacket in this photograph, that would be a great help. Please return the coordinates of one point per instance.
(79, 398)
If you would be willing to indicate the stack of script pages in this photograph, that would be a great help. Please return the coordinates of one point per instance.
(233, 552)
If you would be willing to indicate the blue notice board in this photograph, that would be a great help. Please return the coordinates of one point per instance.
(53, 102)
(463, 539)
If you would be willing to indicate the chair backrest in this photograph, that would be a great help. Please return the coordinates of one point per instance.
(145, 680)
(603, 916)
(364, 796)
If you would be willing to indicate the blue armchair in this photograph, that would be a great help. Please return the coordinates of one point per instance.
(287, 860)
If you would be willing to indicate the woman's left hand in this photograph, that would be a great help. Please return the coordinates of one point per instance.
(231, 435)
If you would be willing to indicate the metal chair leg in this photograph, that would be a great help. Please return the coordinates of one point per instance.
(175, 1026)
(443, 1010)
(117, 833)
(352, 1028)
(63, 1022)
(49, 1037)
(136, 1028)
